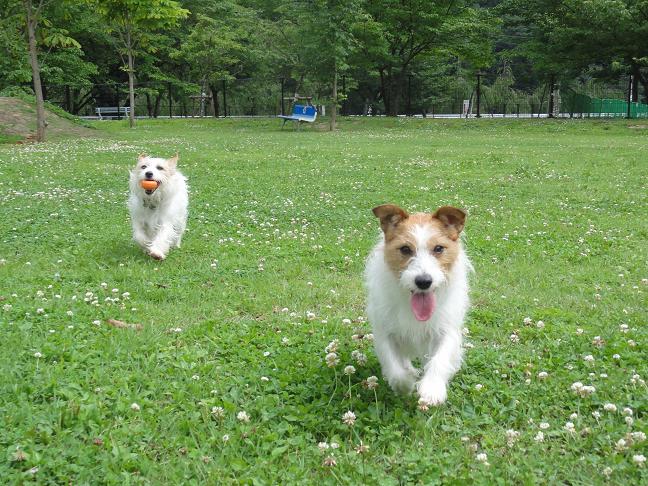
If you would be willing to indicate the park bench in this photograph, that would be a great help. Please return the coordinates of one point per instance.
(111, 111)
(300, 113)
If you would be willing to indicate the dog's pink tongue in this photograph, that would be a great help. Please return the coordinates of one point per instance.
(423, 305)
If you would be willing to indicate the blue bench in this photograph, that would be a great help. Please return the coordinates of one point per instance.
(300, 113)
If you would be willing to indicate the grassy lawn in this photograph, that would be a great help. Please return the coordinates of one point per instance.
(270, 273)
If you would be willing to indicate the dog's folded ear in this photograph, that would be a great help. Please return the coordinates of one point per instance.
(173, 161)
(141, 156)
(390, 215)
(453, 219)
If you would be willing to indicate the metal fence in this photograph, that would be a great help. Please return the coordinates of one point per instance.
(481, 96)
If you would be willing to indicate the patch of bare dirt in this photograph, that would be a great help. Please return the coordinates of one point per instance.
(18, 118)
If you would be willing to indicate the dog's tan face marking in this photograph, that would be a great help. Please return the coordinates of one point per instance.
(425, 237)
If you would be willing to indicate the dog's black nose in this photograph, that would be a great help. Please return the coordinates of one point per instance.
(149, 175)
(423, 282)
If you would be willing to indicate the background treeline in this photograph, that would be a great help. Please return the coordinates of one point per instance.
(377, 56)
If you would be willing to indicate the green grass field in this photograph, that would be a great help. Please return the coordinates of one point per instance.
(270, 273)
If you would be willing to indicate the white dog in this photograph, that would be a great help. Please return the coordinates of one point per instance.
(157, 203)
(417, 280)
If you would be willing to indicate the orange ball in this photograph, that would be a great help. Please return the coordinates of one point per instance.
(149, 185)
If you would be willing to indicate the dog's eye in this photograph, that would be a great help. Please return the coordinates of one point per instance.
(438, 249)
(406, 250)
(143, 167)
(159, 167)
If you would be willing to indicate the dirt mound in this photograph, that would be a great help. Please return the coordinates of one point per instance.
(18, 121)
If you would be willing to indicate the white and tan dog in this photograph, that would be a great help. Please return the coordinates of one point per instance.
(158, 213)
(417, 281)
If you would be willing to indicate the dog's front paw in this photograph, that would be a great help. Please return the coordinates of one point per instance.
(432, 393)
(402, 383)
(156, 254)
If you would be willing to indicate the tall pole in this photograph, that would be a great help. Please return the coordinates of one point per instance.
(224, 99)
(552, 100)
(409, 95)
(118, 110)
(629, 113)
(170, 101)
(478, 95)
(282, 96)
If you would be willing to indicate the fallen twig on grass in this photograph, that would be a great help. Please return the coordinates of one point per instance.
(123, 325)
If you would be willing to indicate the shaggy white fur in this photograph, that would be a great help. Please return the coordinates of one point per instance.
(159, 216)
(399, 335)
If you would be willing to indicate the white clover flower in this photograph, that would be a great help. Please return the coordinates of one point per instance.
(627, 411)
(620, 445)
(589, 358)
(479, 386)
(616, 356)
(629, 421)
(135, 407)
(610, 407)
(349, 370)
(96, 323)
(514, 338)
(37, 354)
(639, 459)
(346, 321)
(359, 357)
(579, 331)
(542, 375)
(7, 307)
(40, 310)
(331, 360)
(310, 315)
(544, 425)
(607, 472)
(482, 457)
(511, 437)
(332, 346)
(596, 414)
(265, 378)
(624, 328)
(540, 324)
(40, 293)
(243, 416)
(573, 416)
(569, 427)
(539, 437)
(349, 418)
(218, 412)
(372, 382)
(225, 438)
(322, 446)
(638, 436)
(528, 321)
(195, 377)
(329, 461)
(334, 445)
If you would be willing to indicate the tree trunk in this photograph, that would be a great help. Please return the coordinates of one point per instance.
(214, 101)
(32, 24)
(335, 100)
(149, 105)
(156, 110)
(638, 79)
(131, 80)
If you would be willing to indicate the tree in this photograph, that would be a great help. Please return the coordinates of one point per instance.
(396, 33)
(32, 17)
(569, 37)
(221, 45)
(325, 30)
(133, 22)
